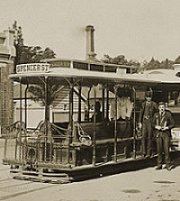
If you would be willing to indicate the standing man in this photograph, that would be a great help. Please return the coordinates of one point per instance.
(163, 122)
(147, 111)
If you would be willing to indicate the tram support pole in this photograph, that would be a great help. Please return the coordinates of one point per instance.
(46, 117)
(25, 105)
(115, 126)
(70, 121)
(20, 133)
(94, 130)
(134, 123)
(107, 103)
(88, 109)
(103, 98)
(79, 104)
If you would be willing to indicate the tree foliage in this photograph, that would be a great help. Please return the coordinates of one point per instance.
(28, 54)
(34, 54)
(121, 60)
(145, 65)
(38, 93)
(155, 64)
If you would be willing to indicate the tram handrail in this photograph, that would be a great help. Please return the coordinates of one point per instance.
(16, 125)
(84, 137)
(16, 128)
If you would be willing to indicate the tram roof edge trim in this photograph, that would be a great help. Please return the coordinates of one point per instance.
(62, 73)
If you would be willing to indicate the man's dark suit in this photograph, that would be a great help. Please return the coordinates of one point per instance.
(163, 136)
(145, 117)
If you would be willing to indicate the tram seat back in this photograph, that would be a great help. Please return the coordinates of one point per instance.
(62, 124)
(101, 130)
(60, 131)
(124, 129)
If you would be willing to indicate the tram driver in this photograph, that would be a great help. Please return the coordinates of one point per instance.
(147, 111)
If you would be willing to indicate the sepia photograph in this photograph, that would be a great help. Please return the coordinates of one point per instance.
(89, 100)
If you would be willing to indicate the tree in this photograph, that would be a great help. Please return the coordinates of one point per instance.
(18, 41)
(34, 54)
(38, 94)
(28, 54)
(177, 60)
(153, 64)
(166, 64)
(121, 60)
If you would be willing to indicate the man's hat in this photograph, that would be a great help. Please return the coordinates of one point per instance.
(161, 103)
(148, 94)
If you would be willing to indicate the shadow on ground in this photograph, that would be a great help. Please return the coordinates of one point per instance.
(176, 162)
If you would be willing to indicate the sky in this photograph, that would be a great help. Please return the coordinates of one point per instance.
(138, 29)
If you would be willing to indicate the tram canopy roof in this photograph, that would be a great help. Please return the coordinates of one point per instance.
(66, 76)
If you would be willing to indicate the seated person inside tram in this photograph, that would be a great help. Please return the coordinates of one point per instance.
(98, 114)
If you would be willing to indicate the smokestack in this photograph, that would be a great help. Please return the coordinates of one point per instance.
(90, 54)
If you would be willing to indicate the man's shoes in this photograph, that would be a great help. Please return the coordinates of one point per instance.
(148, 156)
(168, 167)
(159, 167)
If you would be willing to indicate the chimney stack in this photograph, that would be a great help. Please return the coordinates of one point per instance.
(90, 54)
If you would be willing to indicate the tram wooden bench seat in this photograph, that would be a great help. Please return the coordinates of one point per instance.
(103, 141)
(63, 126)
(60, 133)
(124, 129)
(101, 130)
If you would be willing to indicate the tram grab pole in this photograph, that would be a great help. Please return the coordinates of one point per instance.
(107, 103)
(70, 121)
(46, 117)
(79, 103)
(94, 129)
(20, 133)
(103, 98)
(25, 109)
(134, 123)
(115, 126)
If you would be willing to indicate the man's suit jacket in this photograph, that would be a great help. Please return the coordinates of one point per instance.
(153, 108)
(164, 120)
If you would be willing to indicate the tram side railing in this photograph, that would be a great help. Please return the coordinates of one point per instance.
(15, 138)
(32, 148)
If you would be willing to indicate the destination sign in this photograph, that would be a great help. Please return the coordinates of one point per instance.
(33, 68)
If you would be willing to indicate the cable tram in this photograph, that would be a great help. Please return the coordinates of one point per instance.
(83, 146)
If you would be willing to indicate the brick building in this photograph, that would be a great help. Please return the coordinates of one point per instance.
(7, 55)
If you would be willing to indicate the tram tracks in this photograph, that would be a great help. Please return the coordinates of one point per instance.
(5, 179)
(4, 169)
(7, 197)
(15, 185)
